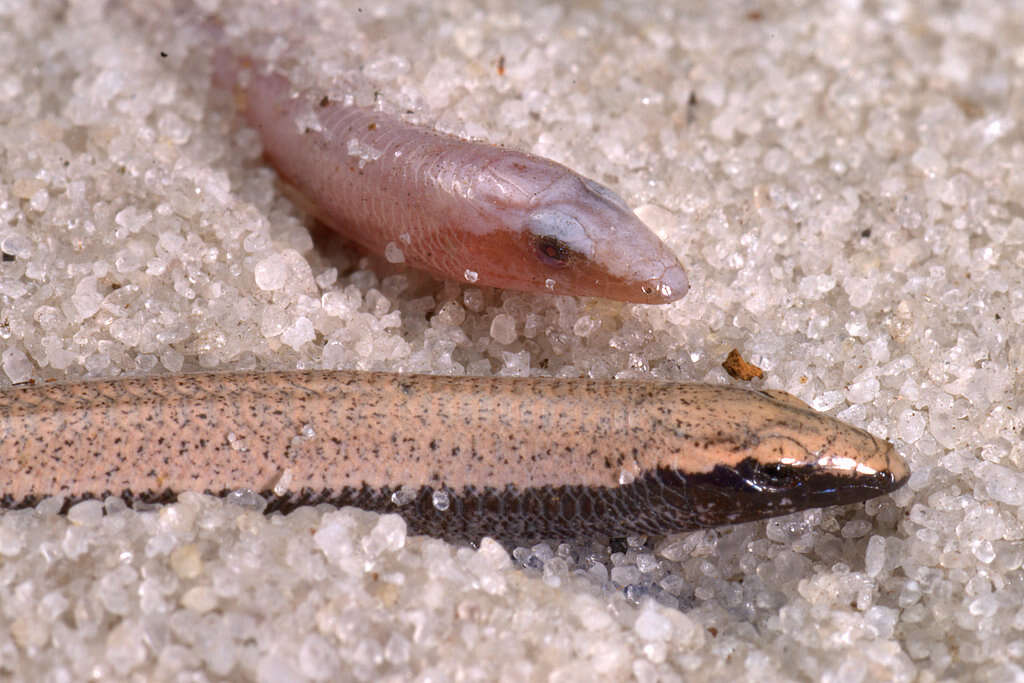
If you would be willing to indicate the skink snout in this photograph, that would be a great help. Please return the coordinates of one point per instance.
(671, 285)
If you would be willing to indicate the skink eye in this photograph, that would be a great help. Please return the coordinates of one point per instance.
(768, 476)
(552, 251)
(776, 473)
(558, 237)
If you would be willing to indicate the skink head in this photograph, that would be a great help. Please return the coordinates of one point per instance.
(768, 454)
(594, 245)
(567, 234)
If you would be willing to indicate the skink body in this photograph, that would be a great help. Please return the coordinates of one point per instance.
(457, 457)
(460, 210)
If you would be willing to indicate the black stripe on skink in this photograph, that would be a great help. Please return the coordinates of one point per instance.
(658, 502)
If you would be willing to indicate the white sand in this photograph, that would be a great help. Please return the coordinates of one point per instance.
(843, 184)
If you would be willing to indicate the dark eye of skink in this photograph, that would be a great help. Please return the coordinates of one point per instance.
(769, 476)
(776, 473)
(552, 251)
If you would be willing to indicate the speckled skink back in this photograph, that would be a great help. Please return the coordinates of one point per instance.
(457, 457)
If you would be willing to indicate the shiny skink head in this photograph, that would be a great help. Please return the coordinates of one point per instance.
(769, 454)
(571, 235)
